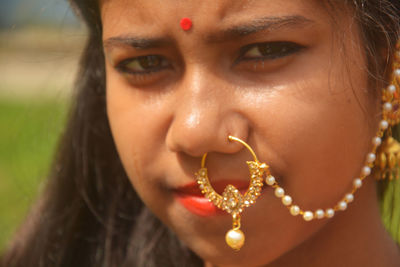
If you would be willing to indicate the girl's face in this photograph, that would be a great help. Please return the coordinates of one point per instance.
(287, 77)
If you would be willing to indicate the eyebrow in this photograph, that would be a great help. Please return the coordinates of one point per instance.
(260, 24)
(240, 30)
(135, 42)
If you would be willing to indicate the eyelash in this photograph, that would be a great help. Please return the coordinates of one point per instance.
(123, 66)
(266, 51)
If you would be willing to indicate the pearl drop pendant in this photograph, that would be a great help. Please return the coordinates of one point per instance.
(235, 238)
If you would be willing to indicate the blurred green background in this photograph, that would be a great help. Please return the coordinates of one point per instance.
(40, 44)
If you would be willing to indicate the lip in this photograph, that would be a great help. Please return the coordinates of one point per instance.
(193, 200)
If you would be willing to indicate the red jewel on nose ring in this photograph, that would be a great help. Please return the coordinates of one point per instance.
(186, 24)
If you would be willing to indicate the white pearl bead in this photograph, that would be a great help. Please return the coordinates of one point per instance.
(371, 157)
(366, 170)
(342, 205)
(319, 214)
(270, 180)
(279, 192)
(329, 213)
(287, 200)
(349, 198)
(377, 141)
(397, 72)
(383, 124)
(294, 210)
(387, 106)
(235, 238)
(392, 88)
(308, 216)
(357, 183)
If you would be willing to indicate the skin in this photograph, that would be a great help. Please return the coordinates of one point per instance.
(308, 114)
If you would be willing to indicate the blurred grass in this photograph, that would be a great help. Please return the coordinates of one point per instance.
(29, 131)
(37, 70)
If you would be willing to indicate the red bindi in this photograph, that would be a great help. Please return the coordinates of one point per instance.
(186, 24)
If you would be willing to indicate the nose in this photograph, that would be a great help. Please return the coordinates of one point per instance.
(205, 114)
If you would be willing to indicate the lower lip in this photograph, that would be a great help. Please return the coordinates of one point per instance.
(199, 205)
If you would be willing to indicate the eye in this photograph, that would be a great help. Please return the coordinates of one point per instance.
(143, 64)
(269, 51)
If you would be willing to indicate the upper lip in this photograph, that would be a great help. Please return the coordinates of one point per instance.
(219, 186)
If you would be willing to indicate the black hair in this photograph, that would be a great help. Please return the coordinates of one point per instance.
(89, 214)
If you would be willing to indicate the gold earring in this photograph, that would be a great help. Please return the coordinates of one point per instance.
(388, 159)
(231, 200)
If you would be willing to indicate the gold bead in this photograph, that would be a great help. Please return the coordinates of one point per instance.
(382, 161)
(235, 238)
(391, 160)
(263, 167)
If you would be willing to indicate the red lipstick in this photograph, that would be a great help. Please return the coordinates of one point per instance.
(192, 199)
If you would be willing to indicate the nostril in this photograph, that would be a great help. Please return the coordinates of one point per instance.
(195, 130)
(190, 143)
(238, 140)
(196, 145)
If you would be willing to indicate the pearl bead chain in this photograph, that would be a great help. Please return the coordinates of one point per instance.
(357, 182)
(371, 157)
(392, 89)
(319, 214)
(387, 106)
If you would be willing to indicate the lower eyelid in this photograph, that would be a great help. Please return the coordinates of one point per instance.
(263, 65)
(125, 70)
(145, 79)
(131, 72)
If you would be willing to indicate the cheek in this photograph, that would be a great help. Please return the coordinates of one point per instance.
(137, 126)
(318, 140)
(325, 154)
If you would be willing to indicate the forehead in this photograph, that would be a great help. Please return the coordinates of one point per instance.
(163, 16)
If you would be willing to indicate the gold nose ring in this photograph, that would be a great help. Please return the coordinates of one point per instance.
(231, 200)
